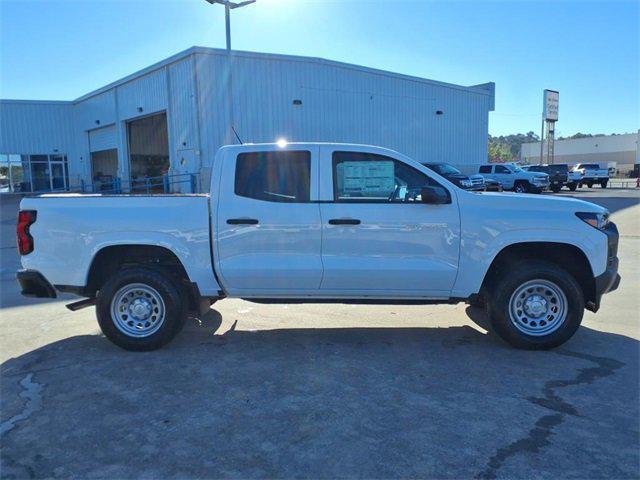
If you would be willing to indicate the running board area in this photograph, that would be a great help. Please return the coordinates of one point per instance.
(87, 302)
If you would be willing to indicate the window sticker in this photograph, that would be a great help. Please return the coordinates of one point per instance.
(368, 178)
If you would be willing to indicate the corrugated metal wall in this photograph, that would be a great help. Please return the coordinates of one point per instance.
(340, 103)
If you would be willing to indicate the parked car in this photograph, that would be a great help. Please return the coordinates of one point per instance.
(309, 222)
(558, 174)
(591, 174)
(455, 176)
(574, 179)
(512, 177)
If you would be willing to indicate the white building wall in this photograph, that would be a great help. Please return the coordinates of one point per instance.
(340, 103)
(621, 149)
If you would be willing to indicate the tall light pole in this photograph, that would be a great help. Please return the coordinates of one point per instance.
(228, 6)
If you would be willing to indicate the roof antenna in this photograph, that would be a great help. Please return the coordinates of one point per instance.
(237, 136)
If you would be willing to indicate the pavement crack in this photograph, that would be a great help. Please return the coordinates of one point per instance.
(33, 394)
(538, 437)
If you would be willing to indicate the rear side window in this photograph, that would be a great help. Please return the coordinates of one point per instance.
(485, 169)
(279, 176)
(537, 168)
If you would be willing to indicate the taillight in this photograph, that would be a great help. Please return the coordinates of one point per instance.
(25, 241)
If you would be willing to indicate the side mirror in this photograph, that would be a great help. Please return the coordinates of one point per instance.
(435, 195)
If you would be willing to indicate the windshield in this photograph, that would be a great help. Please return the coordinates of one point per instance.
(443, 169)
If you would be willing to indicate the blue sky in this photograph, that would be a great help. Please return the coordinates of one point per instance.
(588, 50)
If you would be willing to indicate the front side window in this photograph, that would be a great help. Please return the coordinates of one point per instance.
(367, 177)
(502, 169)
(278, 176)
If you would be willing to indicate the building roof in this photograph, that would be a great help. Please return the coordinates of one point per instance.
(483, 89)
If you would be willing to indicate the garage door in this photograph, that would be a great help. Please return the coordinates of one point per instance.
(102, 139)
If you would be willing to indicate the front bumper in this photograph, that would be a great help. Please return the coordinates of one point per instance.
(609, 280)
(33, 284)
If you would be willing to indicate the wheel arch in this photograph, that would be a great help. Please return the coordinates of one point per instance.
(111, 258)
(565, 255)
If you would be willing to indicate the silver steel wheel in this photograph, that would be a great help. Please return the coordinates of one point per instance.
(538, 307)
(520, 188)
(137, 310)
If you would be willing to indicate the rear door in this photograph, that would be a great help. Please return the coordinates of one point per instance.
(378, 238)
(268, 222)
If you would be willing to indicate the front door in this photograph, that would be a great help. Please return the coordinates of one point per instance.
(504, 176)
(378, 238)
(268, 223)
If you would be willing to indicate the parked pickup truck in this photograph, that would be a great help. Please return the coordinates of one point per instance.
(455, 176)
(591, 174)
(309, 222)
(558, 174)
(512, 177)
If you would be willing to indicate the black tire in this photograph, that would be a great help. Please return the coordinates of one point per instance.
(603, 184)
(590, 184)
(174, 300)
(572, 187)
(500, 295)
(521, 187)
(555, 189)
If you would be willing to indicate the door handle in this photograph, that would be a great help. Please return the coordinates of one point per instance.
(242, 221)
(344, 221)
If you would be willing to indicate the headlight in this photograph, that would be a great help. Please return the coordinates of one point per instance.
(596, 220)
(466, 183)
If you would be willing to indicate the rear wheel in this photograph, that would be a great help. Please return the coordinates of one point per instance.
(572, 187)
(555, 188)
(140, 309)
(538, 307)
(590, 184)
(603, 184)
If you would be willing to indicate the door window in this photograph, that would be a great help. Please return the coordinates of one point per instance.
(501, 169)
(485, 169)
(277, 176)
(367, 177)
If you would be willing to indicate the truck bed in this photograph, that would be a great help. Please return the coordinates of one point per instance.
(71, 228)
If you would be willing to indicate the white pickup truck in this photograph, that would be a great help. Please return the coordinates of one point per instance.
(512, 177)
(591, 174)
(310, 222)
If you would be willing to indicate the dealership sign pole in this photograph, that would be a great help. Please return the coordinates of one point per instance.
(550, 117)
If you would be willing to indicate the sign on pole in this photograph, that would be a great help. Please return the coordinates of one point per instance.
(550, 106)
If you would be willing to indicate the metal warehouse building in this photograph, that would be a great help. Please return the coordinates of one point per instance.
(168, 120)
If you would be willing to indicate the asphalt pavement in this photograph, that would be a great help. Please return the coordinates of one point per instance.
(321, 391)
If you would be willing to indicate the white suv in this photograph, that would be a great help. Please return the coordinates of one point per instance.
(512, 177)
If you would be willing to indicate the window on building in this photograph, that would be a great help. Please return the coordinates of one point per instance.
(361, 176)
(33, 173)
(279, 176)
(485, 169)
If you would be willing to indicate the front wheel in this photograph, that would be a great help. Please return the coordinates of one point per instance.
(140, 309)
(538, 307)
(603, 184)
(521, 187)
(572, 187)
